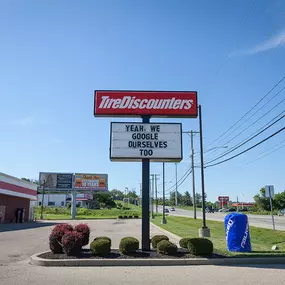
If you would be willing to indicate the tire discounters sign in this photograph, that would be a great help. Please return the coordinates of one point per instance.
(135, 141)
(145, 103)
(92, 182)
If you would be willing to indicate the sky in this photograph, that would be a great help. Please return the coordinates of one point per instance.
(54, 54)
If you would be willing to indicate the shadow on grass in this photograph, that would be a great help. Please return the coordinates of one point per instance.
(24, 226)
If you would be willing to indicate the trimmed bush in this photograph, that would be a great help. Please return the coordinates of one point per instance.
(125, 217)
(56, 235)
(130, 217)
(136, 216)
(184, 242)
(200, 246)
(128, 245)
(55, 241)
(63, 227)
(85, 231)
(120, 217)
(72, 243)
(100, 247)
(157, 238)
(166, 247)
(105, 238)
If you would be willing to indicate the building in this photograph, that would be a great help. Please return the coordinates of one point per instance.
(60, 200)
(15, 198)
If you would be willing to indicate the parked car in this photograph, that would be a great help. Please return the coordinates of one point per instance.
(243, 210)
(209, 210)
(232, 210)
(172, 209)
(281, 212)
(223, 210)
(166, 210)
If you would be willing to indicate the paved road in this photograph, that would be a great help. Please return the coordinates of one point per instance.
(254, 220)
(18, 242)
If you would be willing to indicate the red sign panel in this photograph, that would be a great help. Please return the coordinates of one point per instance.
(224, 199)
(146, 103)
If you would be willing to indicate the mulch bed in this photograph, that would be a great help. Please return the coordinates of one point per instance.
(115, 254)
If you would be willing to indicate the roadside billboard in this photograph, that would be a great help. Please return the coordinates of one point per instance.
(56, 181)
(136, 141)
(91, 182)
(145, 103)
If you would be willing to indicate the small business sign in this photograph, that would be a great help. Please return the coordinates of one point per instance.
(145, 103)
(91, 182)
(56, 181)
(155, 141)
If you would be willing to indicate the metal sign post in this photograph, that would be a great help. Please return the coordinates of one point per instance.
(269, 192)
(145, 199)
(204, 231)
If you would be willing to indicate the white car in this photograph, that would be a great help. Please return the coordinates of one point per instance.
(281, 212)
(223, 210)
(172, 209)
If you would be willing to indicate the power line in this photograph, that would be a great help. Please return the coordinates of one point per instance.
(187, 172)
(248, 149)
(266, 154)
(258, 118)
(260, 48)
(248, 140)
(248, 111)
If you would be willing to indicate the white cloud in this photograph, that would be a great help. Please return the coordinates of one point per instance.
(270, 44)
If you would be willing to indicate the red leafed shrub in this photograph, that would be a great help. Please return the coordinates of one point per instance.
(63, 228)
(85, 231)
(56, 235)
(71, 243)
(55, 241)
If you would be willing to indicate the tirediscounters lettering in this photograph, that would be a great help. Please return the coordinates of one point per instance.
(154, 141)
(139, 103)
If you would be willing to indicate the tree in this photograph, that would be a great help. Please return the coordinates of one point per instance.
(172, 198)
(187, 200)
(117, 194)
(198, 199)
(279, 201)
(26, 179)
(262, 203)
(104, 199)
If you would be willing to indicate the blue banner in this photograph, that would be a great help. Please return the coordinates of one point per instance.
(237, 232)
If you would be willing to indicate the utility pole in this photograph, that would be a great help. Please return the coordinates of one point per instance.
(193, 176)
(176, 194)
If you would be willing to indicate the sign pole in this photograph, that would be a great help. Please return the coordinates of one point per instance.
(163, 198)
(193, 175)
(42, 205)
(272, 216)
(204, 232)
(145, 198)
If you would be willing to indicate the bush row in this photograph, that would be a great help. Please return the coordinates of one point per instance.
(65, 238)
(128, 217)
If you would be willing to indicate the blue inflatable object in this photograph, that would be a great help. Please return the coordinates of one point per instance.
(237, 232)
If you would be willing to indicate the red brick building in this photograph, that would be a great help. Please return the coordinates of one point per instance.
(15, 194)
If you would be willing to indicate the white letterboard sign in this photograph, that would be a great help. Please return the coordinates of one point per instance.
(135, 141)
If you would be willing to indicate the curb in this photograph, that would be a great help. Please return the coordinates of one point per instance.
(35, 260)
(171, 235)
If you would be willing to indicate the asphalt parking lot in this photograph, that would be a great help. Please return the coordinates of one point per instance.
(18, 242)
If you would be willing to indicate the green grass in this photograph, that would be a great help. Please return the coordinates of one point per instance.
(262, 240)
(83, 213)
(186, 208)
